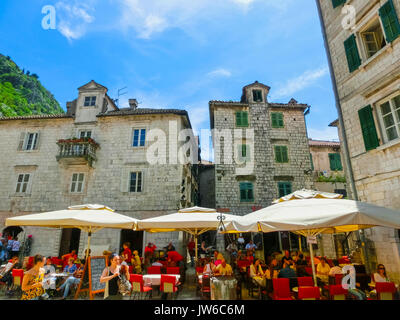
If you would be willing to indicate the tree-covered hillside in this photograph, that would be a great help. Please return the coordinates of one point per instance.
(21, 93)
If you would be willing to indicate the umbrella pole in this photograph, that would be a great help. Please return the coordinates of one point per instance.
(195, 240)
(299, 243)
(88, 246)
(312, 264)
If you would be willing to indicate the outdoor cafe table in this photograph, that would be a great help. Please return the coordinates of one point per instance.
(47, 282)
(155, 279)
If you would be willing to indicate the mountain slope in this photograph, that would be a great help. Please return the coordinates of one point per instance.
(22, 93)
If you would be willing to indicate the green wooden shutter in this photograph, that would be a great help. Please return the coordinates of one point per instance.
(337, 3)
(281, 154)
(245, 119)
(278, 157)
(368, 128)
(338, 160)
(280, 120)
(238, 118)
(353, 57)
(390, 21)
(274, 120)
(284, 188)
(285, 157)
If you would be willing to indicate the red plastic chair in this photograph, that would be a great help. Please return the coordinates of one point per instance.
(138, 286)
(385, 290)
(281, 289)
(168, 284)
(130, 269)
(199, 270)
(337, 292)
(173, 270)
(309, 293)
(309, 270)
(205, 287)
(305, 282)
(338, 279)
(18, 276)
(154, 270)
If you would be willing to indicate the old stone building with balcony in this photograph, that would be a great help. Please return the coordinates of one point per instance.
(364, 58)
(261, 152)
(96, 153)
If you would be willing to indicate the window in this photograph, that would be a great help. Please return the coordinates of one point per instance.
(281, 154)
(31, 141)
(22, 183)
(90, 101)
(257, 96)
(337, 3)
(136, 182)
(277, 120)
(244, 152)
(77, 182)
(139, 137)
(368, 128)
(284, 188)
(242, 119)
(246, 192)
(390, 115)
(335, 162)
(85, 134)
(373, 38)
(353, 57)
(390, 21)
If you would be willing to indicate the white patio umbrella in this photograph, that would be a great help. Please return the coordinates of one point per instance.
(195, 221)
(310, 217)
(88, 217)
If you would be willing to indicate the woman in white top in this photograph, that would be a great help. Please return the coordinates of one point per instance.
(255, 269)
(380, 275)
(209, 268)
(49, 279)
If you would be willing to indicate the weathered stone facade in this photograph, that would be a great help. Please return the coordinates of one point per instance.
(372, 82)
(164, 187)
(263, 172)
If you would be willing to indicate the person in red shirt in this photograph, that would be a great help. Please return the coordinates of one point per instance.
(126, 253)
(66, 257)
(174, 258)
(149, 252)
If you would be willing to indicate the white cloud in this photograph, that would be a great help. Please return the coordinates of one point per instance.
(73, 19)
(327, 133)
(220, 72)
(299, 83)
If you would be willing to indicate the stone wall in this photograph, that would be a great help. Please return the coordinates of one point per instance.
(376, 172)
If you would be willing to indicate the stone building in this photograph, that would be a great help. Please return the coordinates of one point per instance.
(364, 58)
(261, 152)
(327, 166)
(97, 153)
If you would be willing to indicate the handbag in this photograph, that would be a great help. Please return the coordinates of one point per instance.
(124, 286)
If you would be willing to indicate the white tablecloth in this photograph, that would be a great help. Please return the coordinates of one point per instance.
(155, 279)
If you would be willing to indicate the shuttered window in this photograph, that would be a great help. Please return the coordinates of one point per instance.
(281, 154)
(368, 128)
(335, 162)
(242, 119)
(284, 188)
(352, 54)
(390, 21)
(244, 152)
(337, 3)
(277, 120)
(246, 192)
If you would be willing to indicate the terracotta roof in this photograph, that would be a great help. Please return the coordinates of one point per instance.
(138, 111)
(37, 116)
(322, 143)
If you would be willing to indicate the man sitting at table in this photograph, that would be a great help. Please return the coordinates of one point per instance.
(149, 252)
(223, 269)
(287, 271)
(174, 258)
(72, 280)
(49, 279)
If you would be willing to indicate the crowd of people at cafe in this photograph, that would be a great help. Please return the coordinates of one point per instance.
(239, 259)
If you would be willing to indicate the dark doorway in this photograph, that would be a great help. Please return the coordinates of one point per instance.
(69, 240)
(135, 238)
(271, 243)
(12, 231)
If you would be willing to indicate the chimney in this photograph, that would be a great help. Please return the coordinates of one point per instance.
(133, 104)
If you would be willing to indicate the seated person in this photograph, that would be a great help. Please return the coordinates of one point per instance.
(219, 258)
(157, 263)
(209, 268)
(251, 246)
(287, 271)
(323, 270)
(335, 269)
(169, 247)
(67, 256)
(380, 276)
(301, 264)
(255, 269)
(72, 280)
(6, 272)
(71, 266)
(149, 253)
(49, 280)
(136, 262)
(287, 258)
(174, 258)
(274, 268)
(126, 253)
(223, 269)
(250, 256)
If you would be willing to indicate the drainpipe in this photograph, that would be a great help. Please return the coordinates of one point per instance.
(360, 234)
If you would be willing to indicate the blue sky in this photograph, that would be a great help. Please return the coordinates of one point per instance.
(176, 53)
